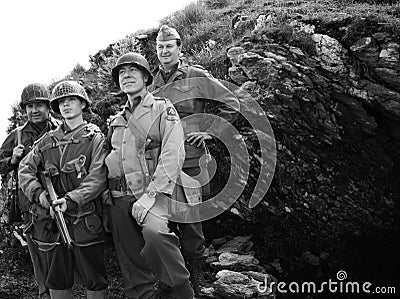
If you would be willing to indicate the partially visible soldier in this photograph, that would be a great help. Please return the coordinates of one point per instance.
(172, 79)
(73, 155)
(146, 156)
(36, 102)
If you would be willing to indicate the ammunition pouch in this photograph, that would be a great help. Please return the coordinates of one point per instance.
(84, 226)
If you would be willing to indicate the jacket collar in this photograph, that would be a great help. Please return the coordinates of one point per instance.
(52, 123)
(178, 74)
(142, 108)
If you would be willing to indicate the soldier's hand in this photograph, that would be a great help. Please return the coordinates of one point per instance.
(17, 153)
(60, 204)
(44, 202)
(198, 138)
(141, 207)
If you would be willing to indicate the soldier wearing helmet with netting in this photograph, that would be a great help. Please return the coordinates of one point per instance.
(35, 101)
(73, 155)
(146, 156)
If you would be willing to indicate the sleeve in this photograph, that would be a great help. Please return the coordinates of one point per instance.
(95, 182)
(6, 153)
(227, 104)
(27, 174)
(172, 152)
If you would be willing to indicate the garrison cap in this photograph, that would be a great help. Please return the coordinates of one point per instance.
(167, 33)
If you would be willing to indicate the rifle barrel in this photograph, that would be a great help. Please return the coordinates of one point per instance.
(59, 216)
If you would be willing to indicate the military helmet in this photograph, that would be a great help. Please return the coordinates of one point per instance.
(167, 33)
(34, 93)
(135, 59)
(68, 89)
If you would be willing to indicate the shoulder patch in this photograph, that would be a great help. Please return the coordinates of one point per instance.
(172, 115)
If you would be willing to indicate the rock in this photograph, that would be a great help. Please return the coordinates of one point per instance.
(264, 21)
(260, 22)
(329, 53)
(310, 258)
(390, 76)
(262, 277)
(388, 100)
(219, 241)
(237, 244)
(274, 56)
(237, 285)
(358, 114)
(380, 36)
(241, 25)
(234, 53)
(259, 68)
(236, 262)
(300, 26)
(236, 74)
(366, 49)
(209, 292)
(228, 276)
(389, 57)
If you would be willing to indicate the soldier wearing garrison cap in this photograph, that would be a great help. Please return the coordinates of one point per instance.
(167, 82)
(35, 101)
(167, 33)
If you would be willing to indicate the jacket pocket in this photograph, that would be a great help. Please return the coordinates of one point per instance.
(76, 165)
(135, 181)
(88, 230)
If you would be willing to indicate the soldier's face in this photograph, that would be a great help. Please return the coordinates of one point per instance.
(71, 107)
(131, 79)
(168, 52)
(37, 112)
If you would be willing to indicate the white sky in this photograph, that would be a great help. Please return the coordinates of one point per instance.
(42, 40)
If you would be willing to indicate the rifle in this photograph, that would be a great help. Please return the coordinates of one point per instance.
(59, 217)
(15, 213)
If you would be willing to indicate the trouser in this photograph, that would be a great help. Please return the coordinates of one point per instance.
(87, 261)
(38, 259)
(191, 234)
(151, 244)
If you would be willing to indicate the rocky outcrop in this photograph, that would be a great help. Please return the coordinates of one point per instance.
(335, 116)
(236, 272)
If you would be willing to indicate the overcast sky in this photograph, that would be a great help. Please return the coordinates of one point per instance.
(42, 40)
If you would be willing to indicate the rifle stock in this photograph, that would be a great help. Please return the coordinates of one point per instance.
(15, 212)
(59, 216)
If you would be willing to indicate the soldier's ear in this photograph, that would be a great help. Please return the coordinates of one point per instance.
(83, 104)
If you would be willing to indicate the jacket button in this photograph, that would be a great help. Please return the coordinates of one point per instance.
(139, 181)
(129, 183)
(140, 152)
